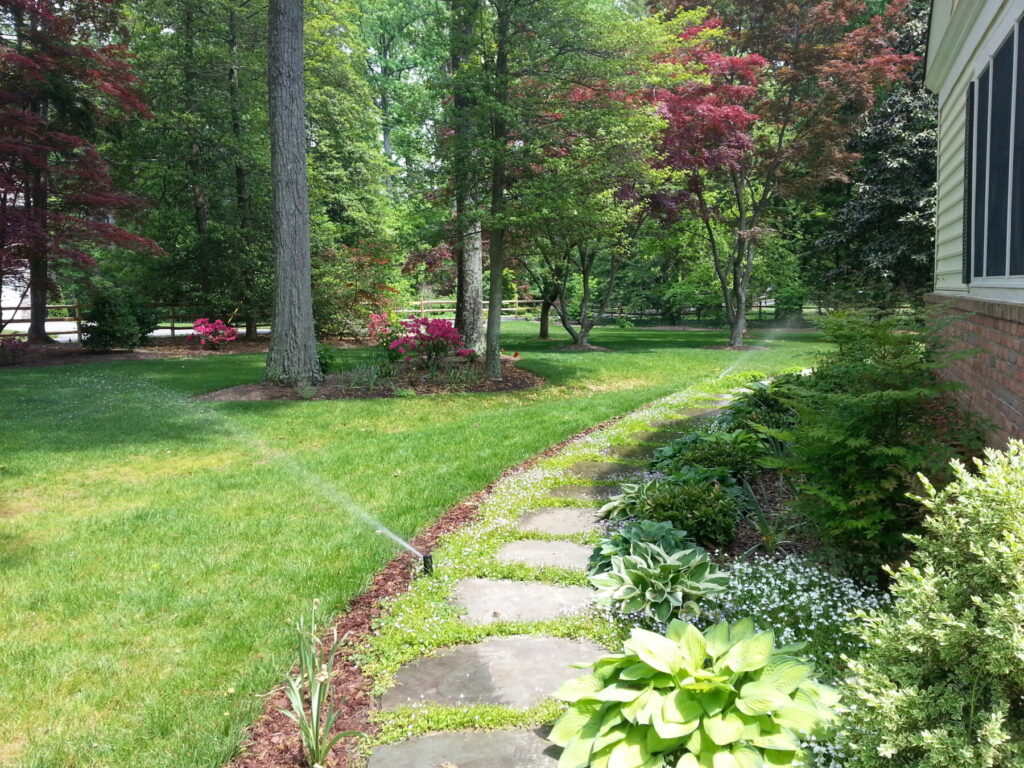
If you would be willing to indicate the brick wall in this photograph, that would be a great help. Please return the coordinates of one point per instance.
(995, 376)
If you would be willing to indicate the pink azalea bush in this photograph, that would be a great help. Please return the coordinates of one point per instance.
(428, 341)
(12, 351)
(212, 333)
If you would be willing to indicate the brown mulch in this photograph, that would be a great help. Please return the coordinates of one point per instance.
(72, 353)
(775, 499)
(337, 387)
(273, 741)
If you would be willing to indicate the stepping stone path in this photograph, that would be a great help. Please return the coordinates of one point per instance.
(518, 671)
(584, 492)
(472, 749)
(560, 521)
(556, 554)
(659, 436)
(486, 601)
(605, 470)
(644, 452)
(522, 670)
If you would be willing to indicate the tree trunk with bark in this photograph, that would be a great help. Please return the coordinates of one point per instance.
(292, 358)
(469, 294)
(549, 298)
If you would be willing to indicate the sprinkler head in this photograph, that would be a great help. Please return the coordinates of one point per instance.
(428, 565)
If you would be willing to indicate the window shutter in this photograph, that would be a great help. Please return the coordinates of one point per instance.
(968, 183)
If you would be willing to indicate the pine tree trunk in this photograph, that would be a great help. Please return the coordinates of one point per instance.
(292, 357)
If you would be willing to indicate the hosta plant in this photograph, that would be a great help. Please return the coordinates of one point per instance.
(656, 584)
(625, 540)
(724, 698)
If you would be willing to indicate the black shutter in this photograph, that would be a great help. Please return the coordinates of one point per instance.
(968, 182)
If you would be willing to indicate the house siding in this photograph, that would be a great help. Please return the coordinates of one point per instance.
(982, 320)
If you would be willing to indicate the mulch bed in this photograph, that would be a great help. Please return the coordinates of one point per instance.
(420, 382)
(60, 353)
(273, 741)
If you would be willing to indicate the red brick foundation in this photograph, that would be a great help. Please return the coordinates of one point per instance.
(995, 375)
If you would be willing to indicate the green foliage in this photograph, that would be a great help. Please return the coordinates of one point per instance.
(309, 695)
(737, 451)
(658, 585)
(708, 510)
(350, 284)
(761, 406)
(726, 697)
(329, 358)
(116, 319)
(942, 680)
(623, 541)
(868, 419)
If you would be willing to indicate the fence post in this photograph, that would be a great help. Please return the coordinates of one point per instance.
(78, 319)
(423, 307)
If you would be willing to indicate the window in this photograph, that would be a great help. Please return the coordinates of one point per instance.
(994, 165)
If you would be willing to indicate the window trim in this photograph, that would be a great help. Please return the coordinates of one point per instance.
(976, 228)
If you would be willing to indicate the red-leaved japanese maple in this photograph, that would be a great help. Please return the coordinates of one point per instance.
(62, 80)
(790, 82)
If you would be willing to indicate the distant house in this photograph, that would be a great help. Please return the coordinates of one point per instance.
(976, 66)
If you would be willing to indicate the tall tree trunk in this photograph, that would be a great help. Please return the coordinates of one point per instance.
(469, 294)
(38, 293)
(549, 298)
(292, 357)
(499, 136)
(38, 200)
(242, 194)
(200, 202)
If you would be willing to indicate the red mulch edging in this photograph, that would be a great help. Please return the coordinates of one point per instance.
(273, 740)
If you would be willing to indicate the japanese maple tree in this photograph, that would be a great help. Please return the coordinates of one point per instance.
(63, 80)
(790, 82)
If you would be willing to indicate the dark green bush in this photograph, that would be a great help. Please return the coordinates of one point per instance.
(761, 406)
(738, 452)
(870, 417)
(116, 320)
(708, 511)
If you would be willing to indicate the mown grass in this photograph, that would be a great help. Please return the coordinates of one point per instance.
(155, 550)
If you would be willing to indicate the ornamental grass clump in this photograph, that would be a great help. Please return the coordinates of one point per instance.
(724, 698)
(309, 695)
(941, 682)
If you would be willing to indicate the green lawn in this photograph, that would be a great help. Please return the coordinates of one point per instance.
(154, 551)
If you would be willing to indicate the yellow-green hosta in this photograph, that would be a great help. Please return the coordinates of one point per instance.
(724, 698)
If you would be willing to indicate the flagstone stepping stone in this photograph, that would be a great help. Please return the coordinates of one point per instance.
(469, 749)
(686, 420)
(660, 436)
(604, 470)
(557, 554)
(560, 521)
(487, 601)
(640, 451)
(585, 492)
(517, 671)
